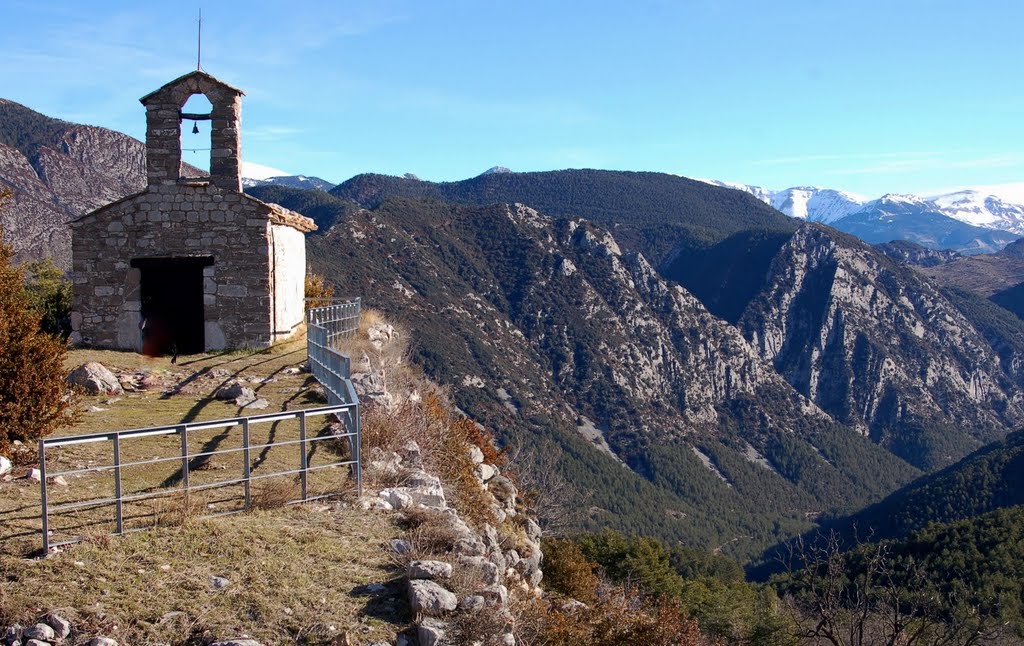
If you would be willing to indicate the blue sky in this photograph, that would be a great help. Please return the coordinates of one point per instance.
(872, 97)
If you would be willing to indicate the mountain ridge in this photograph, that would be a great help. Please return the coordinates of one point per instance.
(828, 205)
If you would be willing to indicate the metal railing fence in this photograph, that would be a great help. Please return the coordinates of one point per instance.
(186, 458)
(326, 326)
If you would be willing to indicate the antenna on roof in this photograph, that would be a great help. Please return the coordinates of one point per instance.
(199, 53)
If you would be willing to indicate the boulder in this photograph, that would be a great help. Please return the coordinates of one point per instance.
(41, 632)
(533, 530)
(472, 603)
(426, 490)
(95, 379)
(429, 598)
(487, 472)
(429, 570)
(496, 595)
(400, 546)
(384, 463)
(5, 466)
(36, 642)
(234, 390)
(380, 334)
(102, 641)
(431, 632)
(61, 626)
(369, 384)
(397, 497)
(33, 475)
(482, 567)
(475, 454)
(150, 382)
(12, 634)
(256, 404)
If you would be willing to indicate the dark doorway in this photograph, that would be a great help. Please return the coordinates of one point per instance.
(172, 305)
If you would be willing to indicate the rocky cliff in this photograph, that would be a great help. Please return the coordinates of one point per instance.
(59, 171)
(549, 330)
(880, 348)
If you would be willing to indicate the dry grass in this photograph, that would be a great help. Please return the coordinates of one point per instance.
(295, 576)
(184, 394)
(430, 533)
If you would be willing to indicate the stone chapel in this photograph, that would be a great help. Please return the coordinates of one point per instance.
(190, 264)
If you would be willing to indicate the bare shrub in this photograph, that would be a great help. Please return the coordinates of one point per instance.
(274, 493)
(621, 615)
(180, 509)
(557, 503)
(430, 533)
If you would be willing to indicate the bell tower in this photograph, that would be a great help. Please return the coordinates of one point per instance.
(164, 118)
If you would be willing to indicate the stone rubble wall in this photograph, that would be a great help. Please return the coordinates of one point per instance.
(504, 560)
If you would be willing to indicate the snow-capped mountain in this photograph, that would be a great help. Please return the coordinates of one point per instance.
(804, 202)
(291, 181)
(979, 209)
(973, 207)
(915, 219)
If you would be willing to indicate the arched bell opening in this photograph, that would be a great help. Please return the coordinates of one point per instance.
(196, 140)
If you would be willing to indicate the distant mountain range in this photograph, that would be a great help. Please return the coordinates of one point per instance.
(969, 222)
(290, 181)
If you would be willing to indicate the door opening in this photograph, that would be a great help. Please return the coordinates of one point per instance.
(172, 305)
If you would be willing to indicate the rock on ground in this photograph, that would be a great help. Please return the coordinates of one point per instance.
(431, 599)
(95, 379)
(431, 633)
(41, 632)
(429, 570)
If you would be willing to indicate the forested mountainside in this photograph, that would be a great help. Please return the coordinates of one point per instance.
(882, 349)
(990, 478)
(715, 241)
(58, 171)
(325, 209)
(655, 214)
(554, 335)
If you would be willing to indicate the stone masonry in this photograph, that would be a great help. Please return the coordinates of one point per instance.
(254, 252)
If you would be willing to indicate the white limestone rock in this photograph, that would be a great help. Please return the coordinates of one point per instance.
(429, 598)
(95, 379)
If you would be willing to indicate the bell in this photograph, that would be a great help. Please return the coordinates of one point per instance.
(195, 127)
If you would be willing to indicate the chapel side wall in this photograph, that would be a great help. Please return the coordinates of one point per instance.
(174, 221)
(289, 269)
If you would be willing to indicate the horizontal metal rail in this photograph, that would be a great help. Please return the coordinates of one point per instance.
(326, 327)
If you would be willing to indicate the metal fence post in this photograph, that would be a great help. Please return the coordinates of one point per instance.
(247, 467)
(183, 430)
(303, 457)
(358, 450)
(42, 493)
(118, 503)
